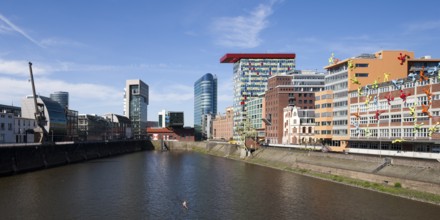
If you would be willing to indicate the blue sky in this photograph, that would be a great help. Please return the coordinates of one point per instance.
(89, 48)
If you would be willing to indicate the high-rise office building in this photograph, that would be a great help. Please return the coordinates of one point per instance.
(251, 72)
(205, 101)
(136, 106)
(61, 97)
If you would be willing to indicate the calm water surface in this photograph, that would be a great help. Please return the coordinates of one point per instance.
(152, 185)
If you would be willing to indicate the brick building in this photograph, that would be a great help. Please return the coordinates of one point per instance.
(280, 93)
(222, 125)
(171, 133)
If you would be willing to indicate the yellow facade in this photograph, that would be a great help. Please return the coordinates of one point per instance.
(357, 72)
(323, 115)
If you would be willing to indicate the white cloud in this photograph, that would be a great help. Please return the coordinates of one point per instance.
(423, 26)
(21, 68)
(242, 31)
(176, 97)
(19, 30)
(84, 97)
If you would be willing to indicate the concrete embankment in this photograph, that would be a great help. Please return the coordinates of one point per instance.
(420, 175)
(21, 158)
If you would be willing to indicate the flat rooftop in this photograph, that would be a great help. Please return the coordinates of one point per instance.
(235, 57)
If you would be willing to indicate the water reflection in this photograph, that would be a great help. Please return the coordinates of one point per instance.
(153, 185)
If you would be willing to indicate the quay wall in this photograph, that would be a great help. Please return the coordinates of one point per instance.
(18, 158)
(417, 174)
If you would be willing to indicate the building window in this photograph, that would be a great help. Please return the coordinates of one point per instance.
(395, 118)
(423, 132)
(408, 132)
(361, 74)
(361, 65)
(396, 106)
(396, 147)
(422, 100)
(384, 133)
(395, 132)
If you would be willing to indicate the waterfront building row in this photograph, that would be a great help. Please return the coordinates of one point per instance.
(392, 109)
(64, 124)
(361, 102)
(297, 88)
(250, 75)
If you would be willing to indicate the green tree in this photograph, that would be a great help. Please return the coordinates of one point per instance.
(246, 130)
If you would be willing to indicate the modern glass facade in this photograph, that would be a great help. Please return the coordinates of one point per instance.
(61, 97)
(251, 72)
(136, 106)
(205, 101)
(55, 115)
(171, 119)
(255, 112)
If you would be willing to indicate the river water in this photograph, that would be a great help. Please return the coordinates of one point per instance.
(152, 185)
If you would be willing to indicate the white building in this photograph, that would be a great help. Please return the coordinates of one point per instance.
(24, 130)
(298, 126)
(6, 128)
(207, 126)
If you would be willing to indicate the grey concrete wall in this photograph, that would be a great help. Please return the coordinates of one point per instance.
(216, 148)
(423, 175)
(16, 159)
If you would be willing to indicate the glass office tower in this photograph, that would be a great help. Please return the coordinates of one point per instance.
(135, 106)
(205, 101)
(61, 97)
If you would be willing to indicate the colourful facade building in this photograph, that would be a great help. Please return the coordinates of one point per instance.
(250, 74)
(346, 75)
(400, 117)
(324, 118)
